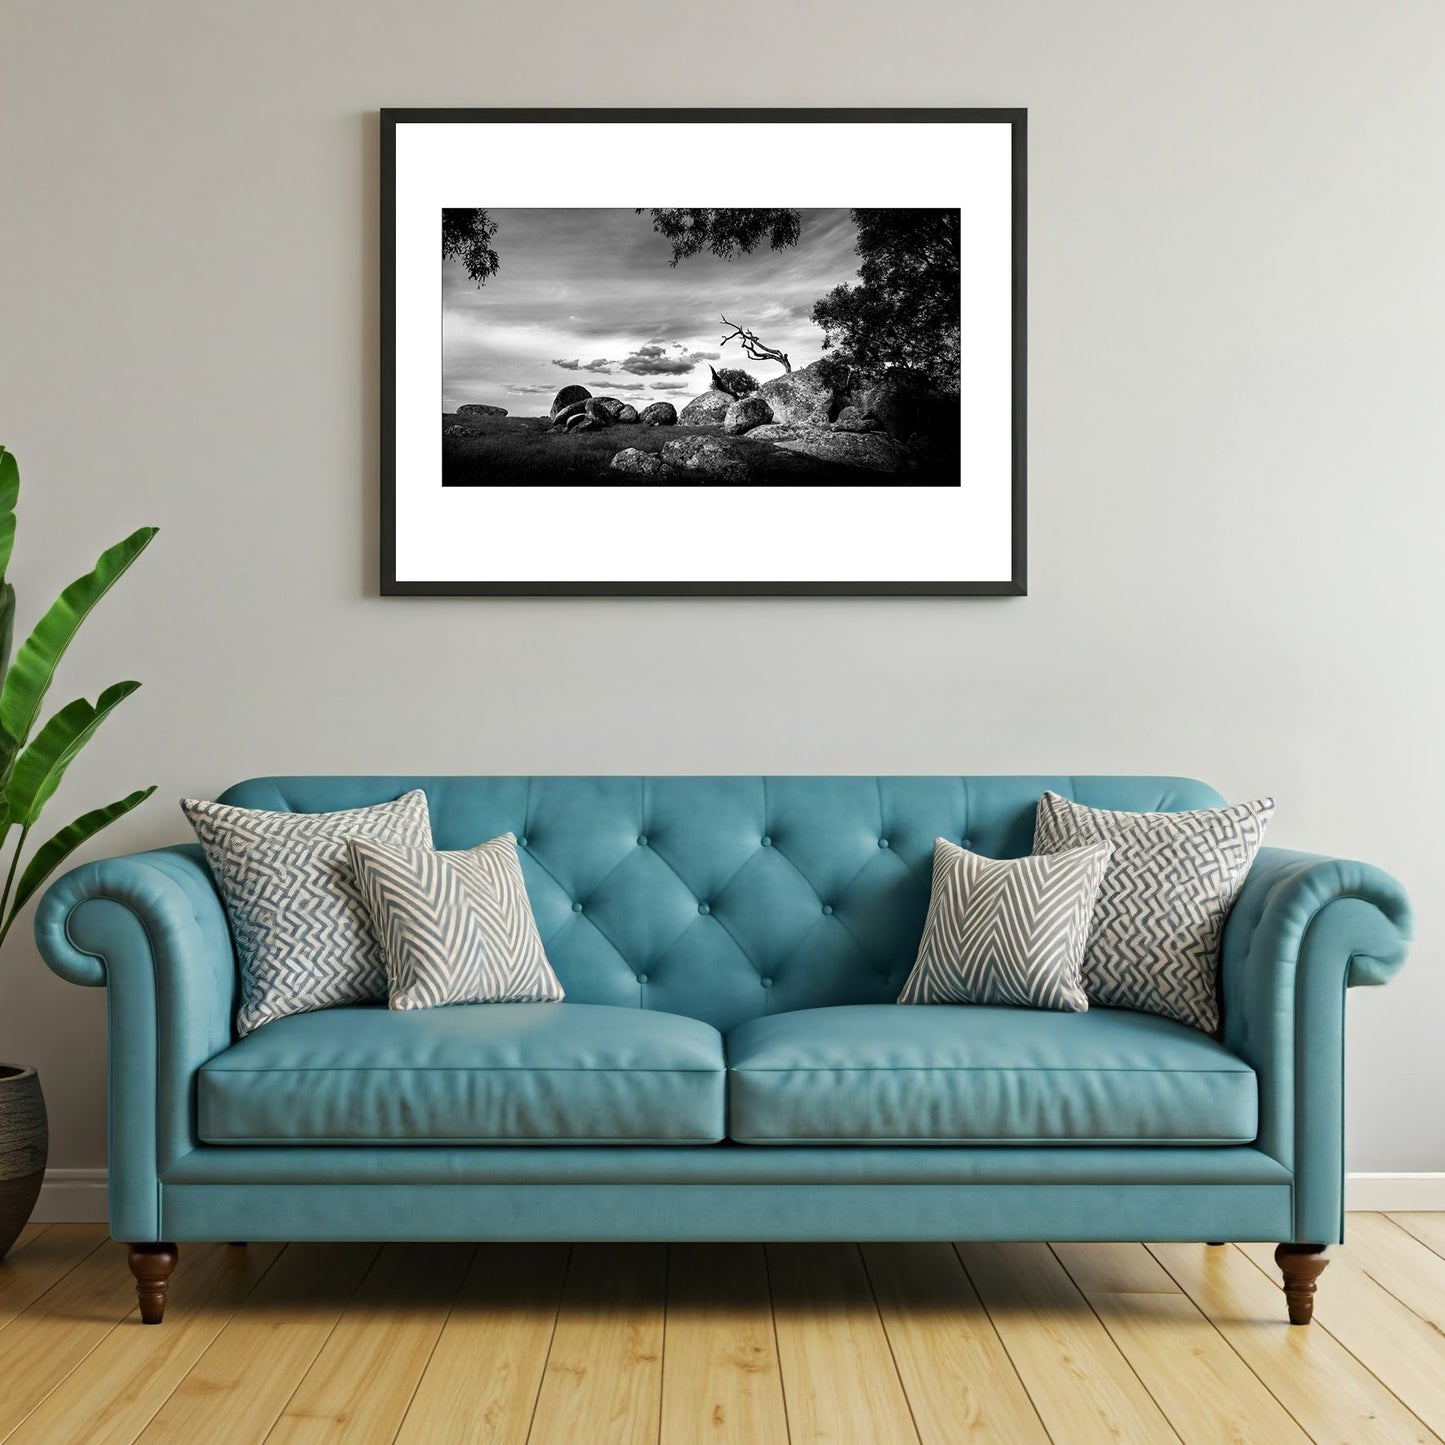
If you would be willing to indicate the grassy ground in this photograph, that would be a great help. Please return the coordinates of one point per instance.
(519, 451)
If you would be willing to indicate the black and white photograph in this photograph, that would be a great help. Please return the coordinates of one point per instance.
(782, 346)
(752, 352)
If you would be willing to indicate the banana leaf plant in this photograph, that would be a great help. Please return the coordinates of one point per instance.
(33, 761)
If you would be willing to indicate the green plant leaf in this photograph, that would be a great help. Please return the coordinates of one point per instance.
(50, 855)
(7, 624)
(8, 746)
(34, 666)
(9, 480)
(39, 769)
(9, 495)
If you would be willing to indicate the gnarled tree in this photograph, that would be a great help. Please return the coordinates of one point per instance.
(754, 348)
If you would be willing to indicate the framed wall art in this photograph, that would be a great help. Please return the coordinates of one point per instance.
(685, 352)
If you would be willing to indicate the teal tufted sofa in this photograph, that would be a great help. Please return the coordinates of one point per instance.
(729, 1063)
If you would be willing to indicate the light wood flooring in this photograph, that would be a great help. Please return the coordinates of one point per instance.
(920, 1344)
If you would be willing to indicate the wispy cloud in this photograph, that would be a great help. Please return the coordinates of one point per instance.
(578, 283)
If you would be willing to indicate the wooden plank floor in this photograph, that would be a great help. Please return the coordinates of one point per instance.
(921, 1344)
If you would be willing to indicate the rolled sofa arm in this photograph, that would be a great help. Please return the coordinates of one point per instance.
(1302, 931)
(152, 929)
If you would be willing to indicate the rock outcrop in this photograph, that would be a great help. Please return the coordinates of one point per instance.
(562, 415)
(660, 413)
(709, 409)
(626, 417)
(852, 419)
(904, 402)
(641, 466)
(596, 410)
(799, 396)
(476, 408)
(708, 459)
(745, 414)
(567, 397)
(871, 450)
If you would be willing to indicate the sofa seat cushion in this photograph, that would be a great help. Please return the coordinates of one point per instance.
(522, 1073)
(881, 1073)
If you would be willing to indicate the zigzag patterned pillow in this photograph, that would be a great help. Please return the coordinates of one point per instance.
(1006, 931)
(455, 927)
(303, 936)
(1154, 944)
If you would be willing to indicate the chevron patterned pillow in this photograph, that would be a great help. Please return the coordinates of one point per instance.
(455, 927)
(1006, 931)
(303, 936)
(1172, 879)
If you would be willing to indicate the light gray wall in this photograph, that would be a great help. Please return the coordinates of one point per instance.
(1238, 304)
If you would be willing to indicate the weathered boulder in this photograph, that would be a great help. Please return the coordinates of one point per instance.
(660, 413)
(746, 413)
(580, 421)
(455, 429)
(641, 466)
(706, 410)
(598, 412)
(903, 402)
(852, 419)
(476, 408)
(626, 417)
(563, 415)
(871, 450)
(566, 397)
(610, 404)
(799, 396)
(709, 459)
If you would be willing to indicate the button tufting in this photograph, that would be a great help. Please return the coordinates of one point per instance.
(766, 982)
(576, 908)
(703, 908)
(642, 840)
(766, 841)
(883, 842)
(642, 978)
(521, 842)
(966, 843)
(827, 908)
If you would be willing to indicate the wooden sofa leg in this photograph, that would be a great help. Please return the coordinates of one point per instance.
(151, 1264)
(1301, 1265)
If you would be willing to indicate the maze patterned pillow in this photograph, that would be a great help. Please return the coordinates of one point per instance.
(1172, 879)
(303, 936)
(1007, 931)
(455, 927)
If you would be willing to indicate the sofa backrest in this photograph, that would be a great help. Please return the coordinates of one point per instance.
(728, 897)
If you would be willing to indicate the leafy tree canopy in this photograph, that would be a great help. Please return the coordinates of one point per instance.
(726, 232)
(735, 380)
(904, 311)
(467, 233)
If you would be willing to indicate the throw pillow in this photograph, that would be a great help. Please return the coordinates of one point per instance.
(455, 927)
(1171, 881)
(303, 936)
(1007, 931)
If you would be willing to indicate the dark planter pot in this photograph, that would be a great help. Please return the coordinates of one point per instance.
(24, 1144)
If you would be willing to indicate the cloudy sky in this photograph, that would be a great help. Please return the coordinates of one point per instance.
(588, 296)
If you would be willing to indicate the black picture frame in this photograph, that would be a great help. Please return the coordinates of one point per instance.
(1014, 586)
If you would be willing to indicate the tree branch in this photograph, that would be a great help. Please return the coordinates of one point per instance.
(754, 348)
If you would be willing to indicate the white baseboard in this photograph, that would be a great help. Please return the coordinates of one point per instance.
(72, 1196)
(1395, 1191)
(78, 1196)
